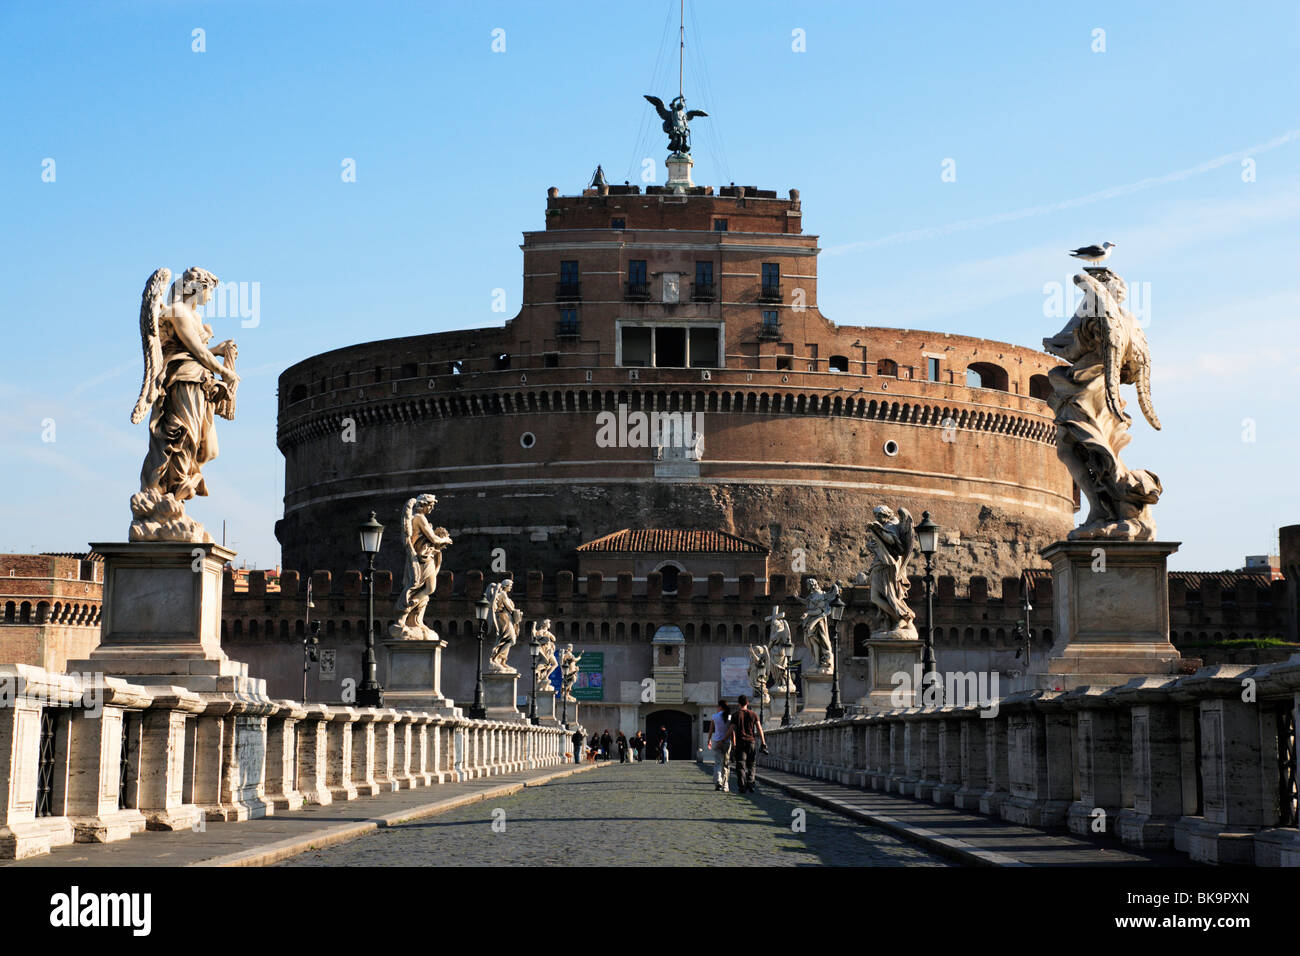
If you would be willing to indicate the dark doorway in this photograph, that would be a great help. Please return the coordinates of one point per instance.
(681, 745)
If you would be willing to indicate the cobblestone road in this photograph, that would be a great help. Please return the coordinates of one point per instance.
(629, 815)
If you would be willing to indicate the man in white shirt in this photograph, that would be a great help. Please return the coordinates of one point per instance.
(720, 743)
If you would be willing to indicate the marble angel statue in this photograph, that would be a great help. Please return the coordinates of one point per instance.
(1106, 348)
(778, 666)
(424, 545)
(546, 660)
(816, 633)
(889, 540)
(503, 625)
(760, 665)
(568, 672)
(185, 385)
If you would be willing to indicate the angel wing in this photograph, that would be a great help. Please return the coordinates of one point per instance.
(905, 534)
(1137, 372)
(691, 114)
(151, 304)
(1114, 350)
(658, 104)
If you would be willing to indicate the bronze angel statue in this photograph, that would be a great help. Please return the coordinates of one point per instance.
(1106, 348)
(676, 119)
(185, 384)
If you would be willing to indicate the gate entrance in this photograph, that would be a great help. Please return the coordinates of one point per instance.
(681, 743)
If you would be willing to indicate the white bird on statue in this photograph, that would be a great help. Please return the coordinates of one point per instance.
(1093, 254)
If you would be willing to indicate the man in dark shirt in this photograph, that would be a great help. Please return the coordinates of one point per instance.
(747, 727)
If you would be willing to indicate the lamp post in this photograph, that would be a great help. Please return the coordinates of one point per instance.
(834, 710)
(371, 692)
(787, 657)
(927, 535)
(478, 710)
(310, 644)
(534, 655)
(1023, 632)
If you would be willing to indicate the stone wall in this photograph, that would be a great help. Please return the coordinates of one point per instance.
(1192, 763)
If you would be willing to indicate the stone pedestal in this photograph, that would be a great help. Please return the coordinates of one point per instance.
(1111, 613)
(885, 659)
(679, 172)
(567, 712)
(500, 692)
(413, 677)
(816, 695)
(162, 618)
(547, 712)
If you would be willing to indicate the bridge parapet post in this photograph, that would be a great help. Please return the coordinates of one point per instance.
(281, 755)
(1279, 690)
(1235, 802)
(339, 754)
(1103, 743)
(948, 756)
(1041, 760)
(973, 755)
(997, 764)
(313, 755)
(363, 752)
(912, 751)
(928, 767)
(385, 771)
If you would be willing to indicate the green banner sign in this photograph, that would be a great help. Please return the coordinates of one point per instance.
(590, 682)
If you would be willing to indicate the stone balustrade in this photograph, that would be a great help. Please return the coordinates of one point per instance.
(97, 759)
(1204, 763)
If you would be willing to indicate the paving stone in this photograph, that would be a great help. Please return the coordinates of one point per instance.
(630, 815)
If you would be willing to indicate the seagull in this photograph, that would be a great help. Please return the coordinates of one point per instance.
(1093, 253)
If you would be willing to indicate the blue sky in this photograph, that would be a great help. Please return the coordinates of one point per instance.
(231, 158)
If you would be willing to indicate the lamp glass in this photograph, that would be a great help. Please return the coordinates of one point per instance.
(481, 607)
(927, 534)
(372, 533)
(837, 610)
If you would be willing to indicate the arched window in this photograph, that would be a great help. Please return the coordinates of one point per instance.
(839, 363)
(986, 375)
(298, 394)
(670, 572)
(887, 367)
(861, 634)
(1040, 387)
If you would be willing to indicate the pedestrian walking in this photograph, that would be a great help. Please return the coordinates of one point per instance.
(638, 747)
(720, 742)
(577, 746)
(622, 747)
(606, 741)
(593, 747)
(663, 744)
(746, 727)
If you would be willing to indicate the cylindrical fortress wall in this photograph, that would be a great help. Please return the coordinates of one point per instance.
(522, 460)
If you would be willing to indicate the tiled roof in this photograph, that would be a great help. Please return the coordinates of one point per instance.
(1227, 580)
(80, 555)
(661, 540)
(1193, 580)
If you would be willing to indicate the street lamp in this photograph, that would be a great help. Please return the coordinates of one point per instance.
(534, 655)
(834, 710)
(927, 535)
(310, 643)
(787, 657)
(478, 710)
(1023, 632)
(371, 692)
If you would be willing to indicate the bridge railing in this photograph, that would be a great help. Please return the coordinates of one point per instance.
(1205, 764)
(96, 759)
